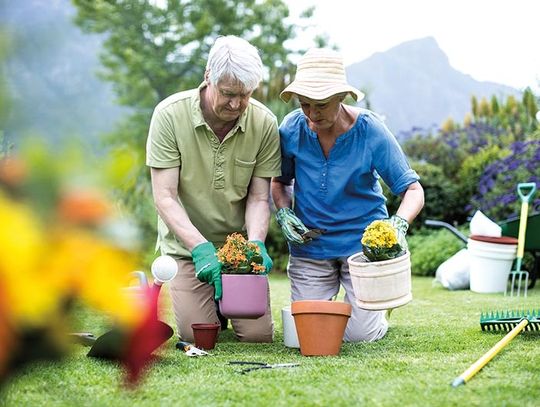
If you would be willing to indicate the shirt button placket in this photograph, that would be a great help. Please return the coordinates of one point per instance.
(324, 177)
(219, 172)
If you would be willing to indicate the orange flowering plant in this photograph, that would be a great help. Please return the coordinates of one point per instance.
(240, 256)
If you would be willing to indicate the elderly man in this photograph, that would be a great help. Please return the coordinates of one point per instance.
(211, 153)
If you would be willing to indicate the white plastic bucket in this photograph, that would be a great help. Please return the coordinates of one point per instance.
(290, 337)
(490, 265)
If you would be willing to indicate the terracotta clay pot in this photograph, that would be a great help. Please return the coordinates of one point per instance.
(205, 335)
(320, 326)
(244, 296)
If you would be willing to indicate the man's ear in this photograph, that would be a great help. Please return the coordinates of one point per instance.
(206, 76)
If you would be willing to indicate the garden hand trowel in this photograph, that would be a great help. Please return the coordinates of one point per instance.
(312, 233)
(190, 350)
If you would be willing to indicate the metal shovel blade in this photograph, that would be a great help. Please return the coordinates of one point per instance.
(112, 344)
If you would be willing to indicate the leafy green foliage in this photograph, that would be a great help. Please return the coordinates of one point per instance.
(440, 194)
(276, 245)
(497, 193)
(431, 248)
(473, 167)
(154, 49)
(459, 158)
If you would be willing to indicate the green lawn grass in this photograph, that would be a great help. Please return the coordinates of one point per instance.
(430, 342)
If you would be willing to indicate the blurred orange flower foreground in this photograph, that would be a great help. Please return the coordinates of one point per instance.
(53, 252)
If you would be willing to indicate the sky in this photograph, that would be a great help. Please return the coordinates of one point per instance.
(491, 40)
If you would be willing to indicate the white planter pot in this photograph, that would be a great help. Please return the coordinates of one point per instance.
(290, 337)
(383, 284)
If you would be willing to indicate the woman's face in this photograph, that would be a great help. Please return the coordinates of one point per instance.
(321, 114)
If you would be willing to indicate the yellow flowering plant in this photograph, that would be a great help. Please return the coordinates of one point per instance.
(58, 248)
(380, 242)
(240, 256)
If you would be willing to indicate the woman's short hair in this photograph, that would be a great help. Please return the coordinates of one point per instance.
(234, 57)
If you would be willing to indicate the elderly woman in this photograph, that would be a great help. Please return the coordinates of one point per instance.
(335, 154)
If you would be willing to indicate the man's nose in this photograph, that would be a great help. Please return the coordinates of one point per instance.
(234, 103)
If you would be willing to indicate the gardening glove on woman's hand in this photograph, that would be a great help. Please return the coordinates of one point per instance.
(267, 261)
(207, 266)
(401, 225)
(291, 227)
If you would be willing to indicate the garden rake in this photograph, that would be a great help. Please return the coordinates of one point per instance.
(518, 274)
(512, 321)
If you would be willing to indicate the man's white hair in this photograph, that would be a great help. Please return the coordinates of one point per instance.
(232, 57)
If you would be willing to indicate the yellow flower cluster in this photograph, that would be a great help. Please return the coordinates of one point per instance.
(40, 269)
(379, 234)
(53, 252)
(237, 253)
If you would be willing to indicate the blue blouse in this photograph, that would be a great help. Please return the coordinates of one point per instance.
(341, 193)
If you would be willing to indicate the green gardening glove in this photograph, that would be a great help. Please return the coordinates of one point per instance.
(401, 225)
(207, 266)
(267, 261)
(291, 227)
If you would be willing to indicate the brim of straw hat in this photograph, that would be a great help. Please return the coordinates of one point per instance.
(319, 91)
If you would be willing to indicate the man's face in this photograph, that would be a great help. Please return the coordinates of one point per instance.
(321, 114)
(228, 99)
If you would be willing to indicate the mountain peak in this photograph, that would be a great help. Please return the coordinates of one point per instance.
(414, 85)
(426, 43)
(417, 52)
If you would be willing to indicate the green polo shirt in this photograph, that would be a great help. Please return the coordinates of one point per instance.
(214, 177)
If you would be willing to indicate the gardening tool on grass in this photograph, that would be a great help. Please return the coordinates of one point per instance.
(513, 321)
(83, 338)
(114, 344)
(519, 274)
(190, 349)
(261, 365)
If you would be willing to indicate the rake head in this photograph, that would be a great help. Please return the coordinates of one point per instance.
(508, 320)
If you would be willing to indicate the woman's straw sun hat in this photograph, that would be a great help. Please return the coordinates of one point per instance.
(320, 74)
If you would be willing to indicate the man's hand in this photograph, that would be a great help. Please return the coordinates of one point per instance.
(291, 227)
(267, 261)
(401, 225)
(207, 266)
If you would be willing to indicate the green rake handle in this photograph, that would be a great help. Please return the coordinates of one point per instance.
(490, 354)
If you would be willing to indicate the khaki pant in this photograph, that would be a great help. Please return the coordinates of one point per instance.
(193, 302)
(320, 280)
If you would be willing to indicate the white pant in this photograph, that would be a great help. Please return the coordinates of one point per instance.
(320, 280)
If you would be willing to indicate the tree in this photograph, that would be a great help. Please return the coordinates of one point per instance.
(153, 49)
(156, 48)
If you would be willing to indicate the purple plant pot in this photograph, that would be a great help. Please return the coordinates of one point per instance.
(244, 296)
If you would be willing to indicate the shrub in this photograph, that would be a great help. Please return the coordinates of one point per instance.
(496, 195)
(440, 195)
(430, 248)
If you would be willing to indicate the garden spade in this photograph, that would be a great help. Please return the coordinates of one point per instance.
(117, 344)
